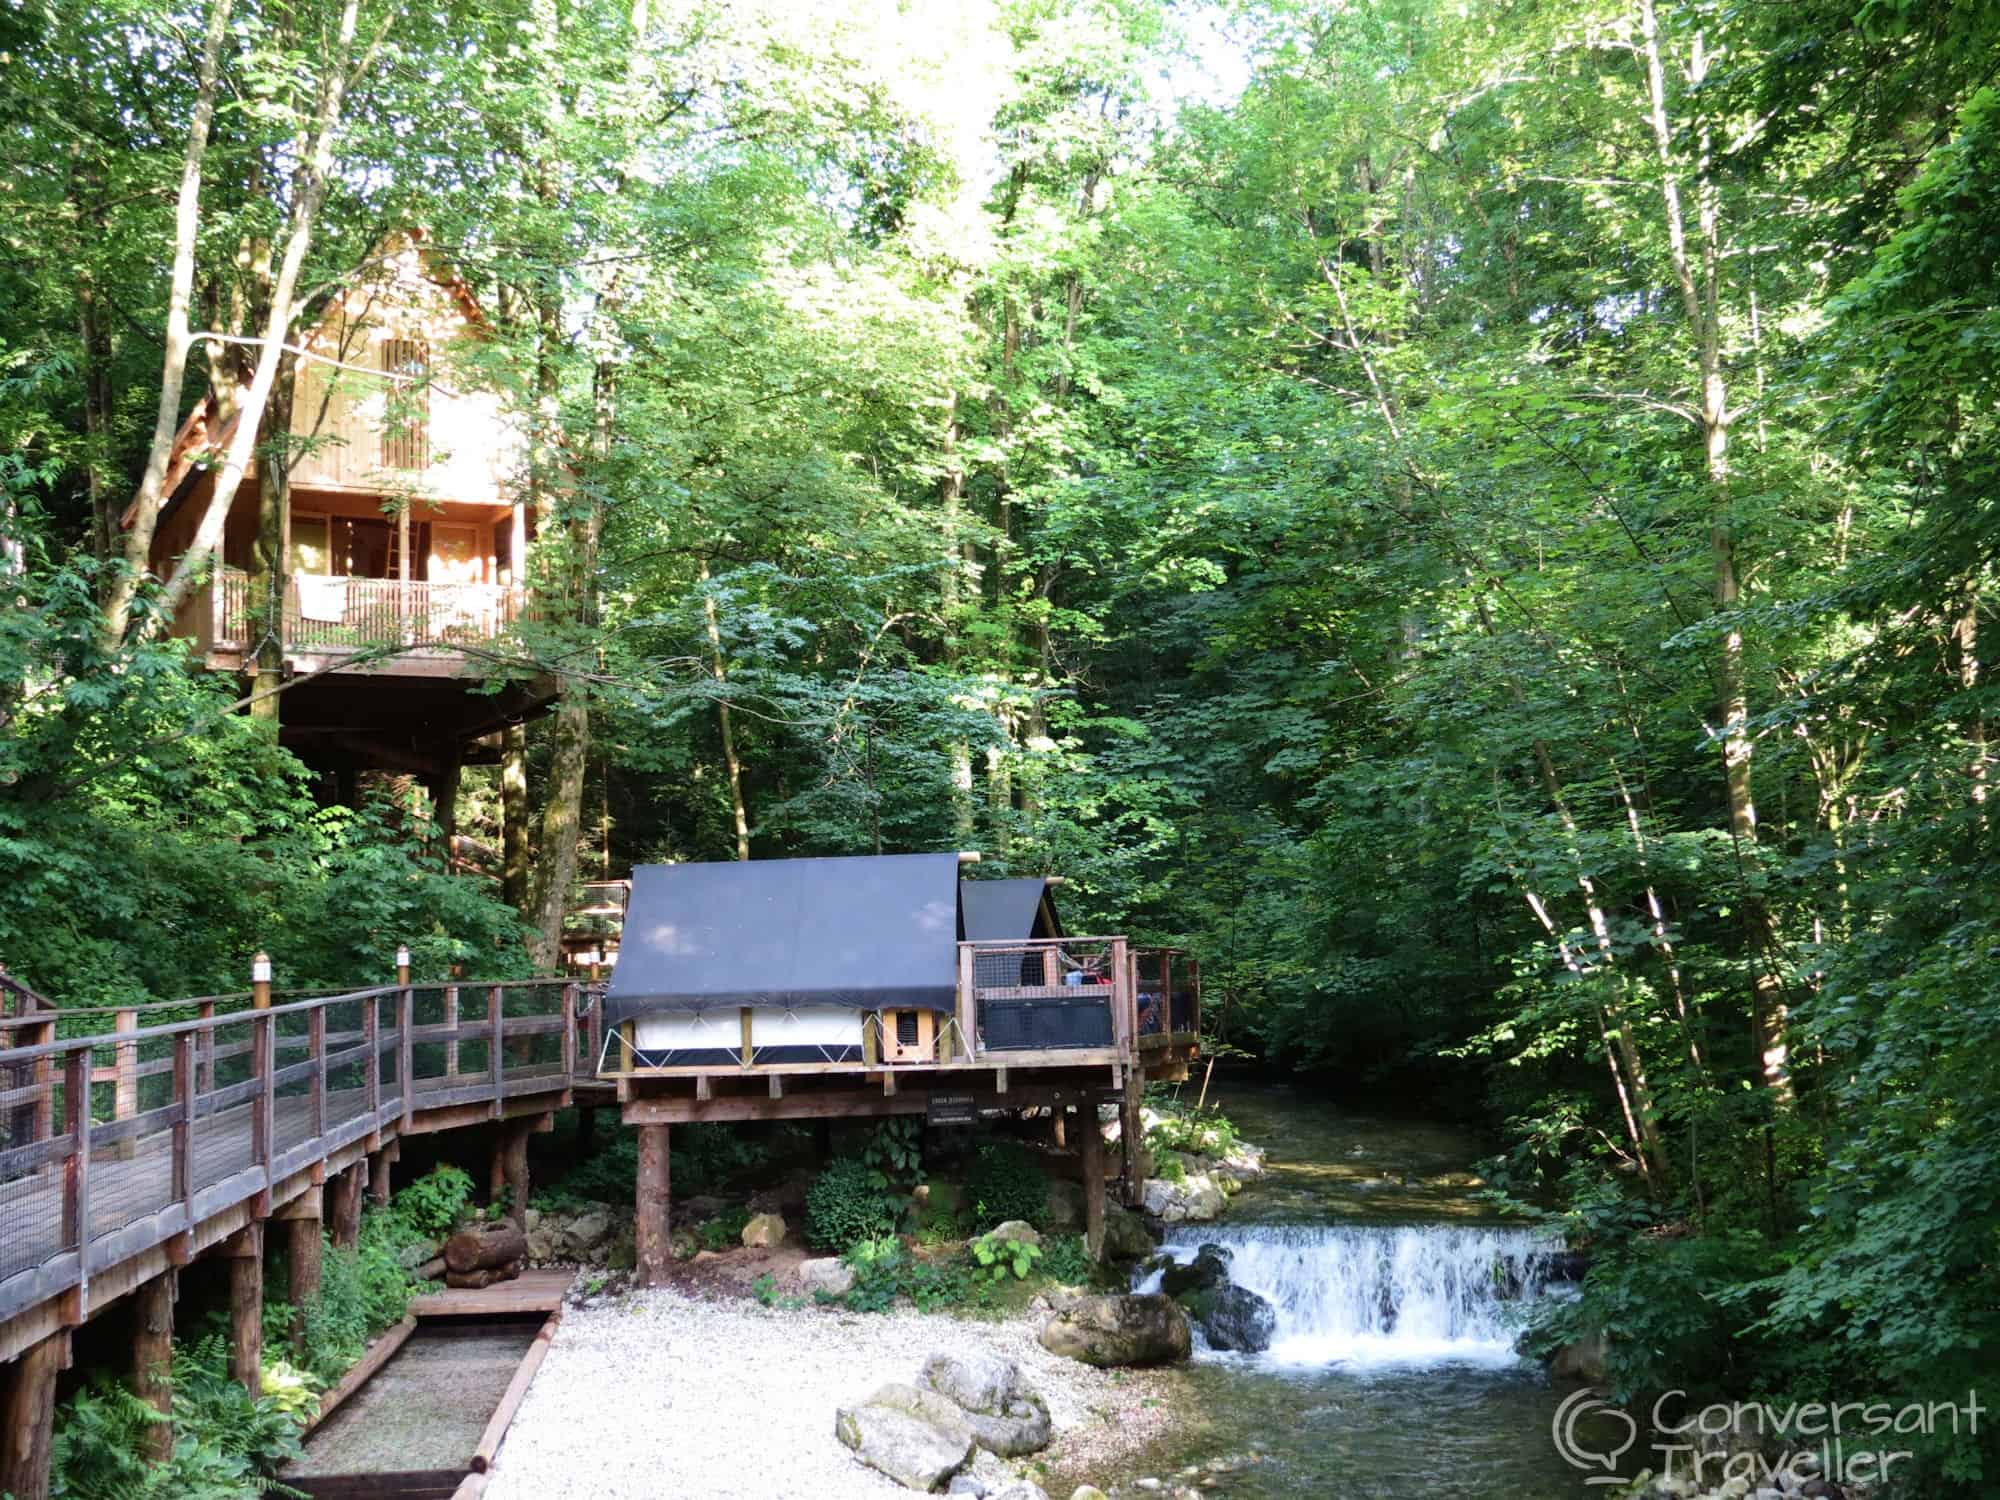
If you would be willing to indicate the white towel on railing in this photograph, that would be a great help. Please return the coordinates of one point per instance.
(322, 598)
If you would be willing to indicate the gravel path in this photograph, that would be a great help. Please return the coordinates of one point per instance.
(657, 1396)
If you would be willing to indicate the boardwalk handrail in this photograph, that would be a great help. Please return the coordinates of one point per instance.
(84, 1187)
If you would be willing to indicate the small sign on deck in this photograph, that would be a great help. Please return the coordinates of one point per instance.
(951, 1109)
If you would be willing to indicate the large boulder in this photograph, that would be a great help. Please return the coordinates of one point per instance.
(763, 1231)
(1016, 1231)
(1235, 1317)
(1125, 1235)
(828, 1274)
(1133, 1329)
(911, 1450)
(1020, 1427)
(583, 1234)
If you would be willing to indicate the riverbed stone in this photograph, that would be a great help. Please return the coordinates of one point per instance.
(1209, 1268)
(1134, 1329)
(914, 1452)
(1017, 1232)
(1066, 1207)
(829, 1274)
(1194, 1199)
(1237, 1318)
(1125, 1235)
(763, 1231)
(584, 1233)
(1587, 1360)
(974, 1379)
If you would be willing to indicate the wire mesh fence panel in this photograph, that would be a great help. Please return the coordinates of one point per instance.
(1044, 996)
(223, 1129)
(33, 1113)
(346, 1062)
(533, 1047)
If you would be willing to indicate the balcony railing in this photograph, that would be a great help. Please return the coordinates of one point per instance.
(325, 613)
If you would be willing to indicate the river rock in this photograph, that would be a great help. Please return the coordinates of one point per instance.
(1125, 1235)
(584, 1233)
(975, 1379)
(1066, 1207)
(1016, 1231)
(1209, 1268)
(1242, 1163)
(829, 1274)
(1195, 1199)
(1586, 1360)
(1020, 1489)
(1088, 1492)
(1237, 1318)
(910, 1450)
(763, 1231)
(1135, 1329)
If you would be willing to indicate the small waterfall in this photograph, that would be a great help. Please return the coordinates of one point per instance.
(1380, 1296)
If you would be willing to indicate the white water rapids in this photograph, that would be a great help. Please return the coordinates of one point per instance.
(1363, 1297)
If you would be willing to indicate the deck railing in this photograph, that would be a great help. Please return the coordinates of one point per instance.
(1168, 986)
(113, 1142)
(325, 613)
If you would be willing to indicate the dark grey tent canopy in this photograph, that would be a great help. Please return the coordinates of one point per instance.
(859, 933)
(1005, 911)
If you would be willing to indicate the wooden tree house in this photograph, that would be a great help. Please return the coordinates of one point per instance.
(403, 535)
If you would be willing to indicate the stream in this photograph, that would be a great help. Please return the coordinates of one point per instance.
(1392, 1373)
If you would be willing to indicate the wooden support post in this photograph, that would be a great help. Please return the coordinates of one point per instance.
(302, 1257)
(748, 1051)
(27, 1418)
(245, 1253)
(496, 1020)
(125, 1100)
(1132, 1137)
(968, 1008)
(518, 1132)
(654, 1222)
(76, 1166)
(153, 1357)
(344, 1207)
(378, 1177)
(406, 1083)
(569, 993)
(205, 1079)
(1090, 1144)
(260, 981)
(44, 1107)
(182, 1136)
(371, 1057)
(451, 1020)
(1057, 1137)
(263, 1108)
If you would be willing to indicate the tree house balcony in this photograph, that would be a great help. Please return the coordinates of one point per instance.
(382, 625)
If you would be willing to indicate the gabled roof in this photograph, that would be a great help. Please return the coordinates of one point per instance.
(1007, 910)
(857, 933)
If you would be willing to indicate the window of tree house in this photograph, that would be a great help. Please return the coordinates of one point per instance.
(406, 424)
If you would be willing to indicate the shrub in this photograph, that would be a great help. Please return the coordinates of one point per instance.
(1200, 1132)
(847, 1203)
(998, 1259)
(725, 1229)
(884, 1270)
(1006, 1183)
(1066, 1260)
(432, 1205)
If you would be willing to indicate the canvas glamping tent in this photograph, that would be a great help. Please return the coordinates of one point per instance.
(783, 956)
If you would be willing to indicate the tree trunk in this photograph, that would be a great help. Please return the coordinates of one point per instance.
(739, 813)
(267, 553)
(151, 494)
(514, 817)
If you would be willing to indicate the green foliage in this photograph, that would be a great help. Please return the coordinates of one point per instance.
(847, 1203)
(1006, 1182)
(895, 1150)
(432, 1206)
(884, 1270)
(725, 1230)
(1066, 1260)
(1207, 1132)
(999, 1258)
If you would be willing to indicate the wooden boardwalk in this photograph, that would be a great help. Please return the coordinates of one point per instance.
(91, 1207)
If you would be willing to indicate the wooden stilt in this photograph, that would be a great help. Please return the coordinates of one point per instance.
(518, 1132)
(302, 1261)
(343, 1209)
(1132, 1136)
(378, 1178)
(1057, 1128)
(245, 1252)
(654, 1224)
(1090, 1146)
(27, 1418)
(153, 1357)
